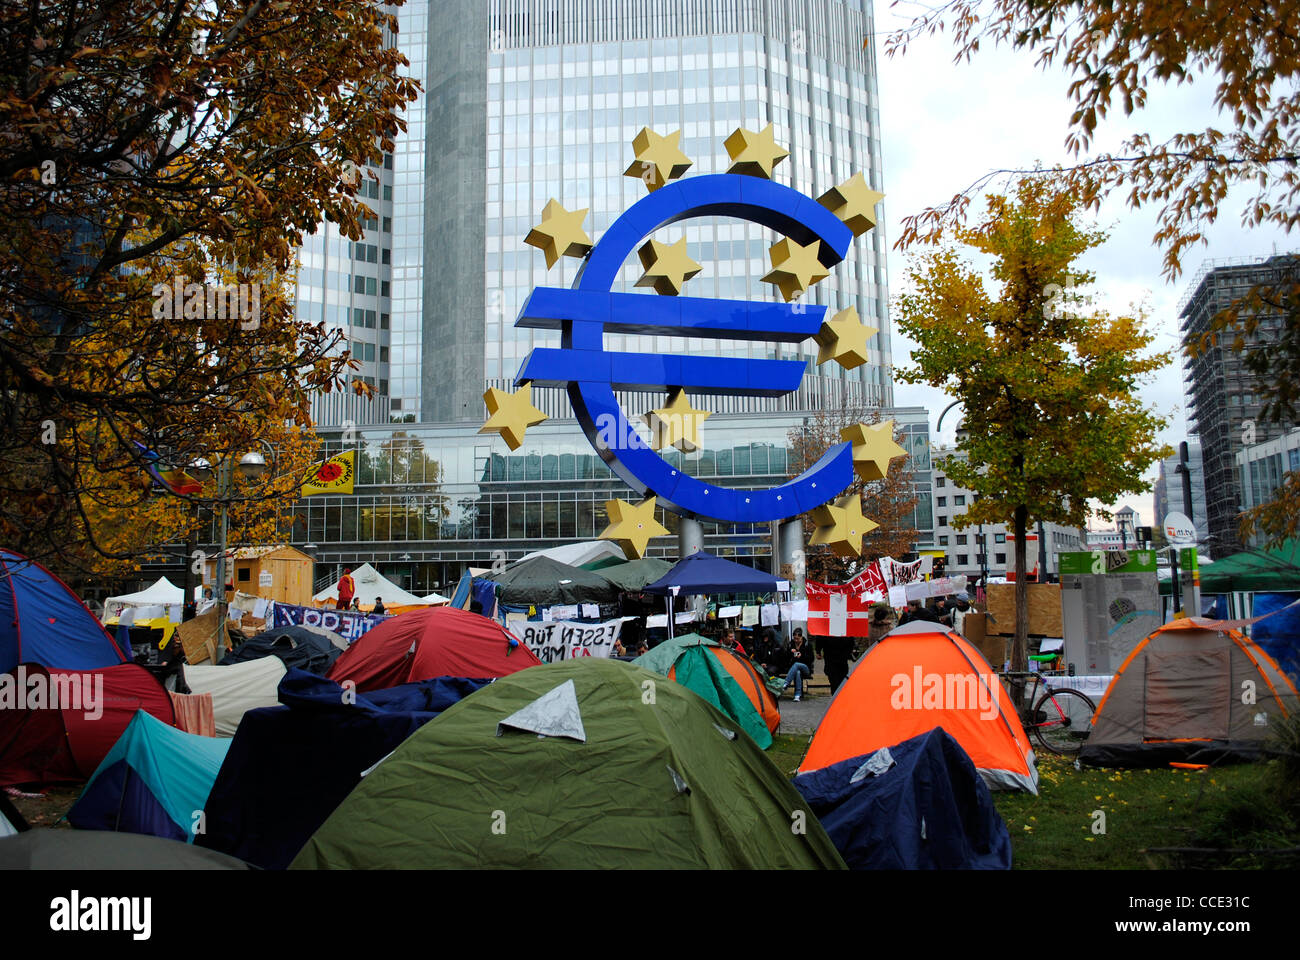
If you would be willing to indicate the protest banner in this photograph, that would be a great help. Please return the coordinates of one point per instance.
(564, 639)
(349, 624)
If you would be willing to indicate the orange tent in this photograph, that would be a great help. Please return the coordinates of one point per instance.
(744, 673)
(922, 676)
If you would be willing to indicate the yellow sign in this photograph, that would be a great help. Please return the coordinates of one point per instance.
(335, 475)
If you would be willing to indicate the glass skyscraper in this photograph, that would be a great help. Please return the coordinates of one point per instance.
(529, 100)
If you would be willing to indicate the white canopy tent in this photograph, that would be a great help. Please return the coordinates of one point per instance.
(576, 554)
(435, 599)
(371, 584)
(161, 594)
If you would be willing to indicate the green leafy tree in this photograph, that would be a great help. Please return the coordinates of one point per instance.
(1048, 388)
(1246, 56)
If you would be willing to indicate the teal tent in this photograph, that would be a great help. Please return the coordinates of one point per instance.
(635, 574)
(724, 678)
(1252, 571)
(587, 764)
(155, 780)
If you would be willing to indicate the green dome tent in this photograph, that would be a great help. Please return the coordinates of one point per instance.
(586, 764)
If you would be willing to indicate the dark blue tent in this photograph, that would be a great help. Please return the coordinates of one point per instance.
(922, 806)
(296, 646)
(290, 766)
(42, 621)
(1279, 635)
(154, 780)
(704, 573)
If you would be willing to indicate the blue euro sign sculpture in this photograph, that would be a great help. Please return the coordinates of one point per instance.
(591, 374)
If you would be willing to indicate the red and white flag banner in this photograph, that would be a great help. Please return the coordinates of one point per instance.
(844, 609)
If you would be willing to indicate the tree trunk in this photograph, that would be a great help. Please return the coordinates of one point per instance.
(1020, 648)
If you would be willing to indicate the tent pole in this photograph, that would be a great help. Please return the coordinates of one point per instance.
(669, 601)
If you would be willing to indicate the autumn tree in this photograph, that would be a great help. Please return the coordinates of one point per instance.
(1118, 52)
(169, 148)
(890, 502)
(1048, 389)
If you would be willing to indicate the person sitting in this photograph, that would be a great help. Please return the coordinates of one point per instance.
(379, 606)
(801, 652)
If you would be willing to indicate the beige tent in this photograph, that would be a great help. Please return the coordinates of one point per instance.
(371, 584)
(1194, 691)
(237, 688)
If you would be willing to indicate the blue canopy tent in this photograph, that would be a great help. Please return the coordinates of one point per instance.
(703, 572)
(42, 621)
(920, 805)
(154, 781)
(290, 766)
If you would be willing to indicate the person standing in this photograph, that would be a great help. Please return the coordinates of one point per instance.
(835, 651)
(347, 590)
(379, 606)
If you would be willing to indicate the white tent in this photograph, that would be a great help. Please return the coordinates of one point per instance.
(162, 594)
(237, 688)
(371, 584)
(576, 554)
(435, 599)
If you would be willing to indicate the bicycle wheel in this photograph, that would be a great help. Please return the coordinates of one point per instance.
(1062, 720)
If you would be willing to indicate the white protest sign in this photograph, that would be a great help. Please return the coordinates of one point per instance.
(564, 640)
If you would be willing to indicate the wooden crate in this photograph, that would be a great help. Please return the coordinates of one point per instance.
(1044, 609)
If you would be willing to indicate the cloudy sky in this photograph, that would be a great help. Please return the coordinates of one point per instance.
(944, 125)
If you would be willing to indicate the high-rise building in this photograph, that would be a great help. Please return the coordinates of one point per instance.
(1169, 493)
(1264, 467)
(1224, 399)
(529, 100)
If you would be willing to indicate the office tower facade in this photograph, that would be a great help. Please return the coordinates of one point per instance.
(1224, 400)
(529, 100)
(1263, 468)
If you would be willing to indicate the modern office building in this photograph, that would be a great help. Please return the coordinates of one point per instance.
(1224, 401)
(982, 549)
(1262, 467)
(1169, 494)
(531, 100)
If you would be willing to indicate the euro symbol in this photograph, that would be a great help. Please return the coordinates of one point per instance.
(590, 374)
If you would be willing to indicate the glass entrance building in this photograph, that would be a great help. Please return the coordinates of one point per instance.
(529, 100)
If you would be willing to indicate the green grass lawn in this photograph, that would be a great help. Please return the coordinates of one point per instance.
(1112, 819)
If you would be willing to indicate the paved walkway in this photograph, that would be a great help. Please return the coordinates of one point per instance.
(804, 716)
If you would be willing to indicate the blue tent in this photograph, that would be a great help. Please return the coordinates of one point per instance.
(290, 766)
(1279, 635)
(154, 781)
(42, 621)
(295, 646)
(920, 805)
(704, 573)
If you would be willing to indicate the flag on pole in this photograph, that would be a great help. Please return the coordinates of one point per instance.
(335, 475)
(174, 481)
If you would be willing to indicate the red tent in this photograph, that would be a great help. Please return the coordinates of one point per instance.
(62, 723)
(428, 643)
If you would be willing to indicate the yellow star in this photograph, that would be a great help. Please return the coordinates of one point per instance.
(658, 159)
(795, 268)
(843, 338)
(677, 424)
(753, 153)
(854, 203)
(632, 527)
(560, 233)
(511, 414)
(873, 448)
(841, 526)
(667, 267)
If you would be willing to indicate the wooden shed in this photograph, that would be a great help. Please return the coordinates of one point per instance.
(281, 573)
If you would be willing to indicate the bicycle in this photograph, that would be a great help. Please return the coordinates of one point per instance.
(1060, 718)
